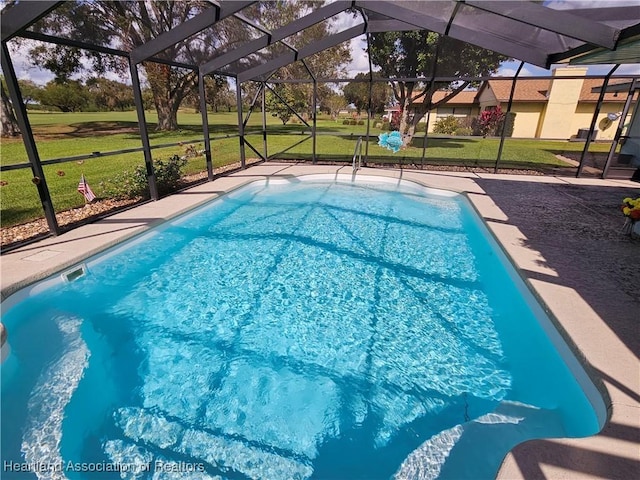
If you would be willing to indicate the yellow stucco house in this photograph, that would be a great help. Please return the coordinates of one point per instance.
(545, 108)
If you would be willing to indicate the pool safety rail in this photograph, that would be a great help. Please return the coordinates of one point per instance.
(357, 153)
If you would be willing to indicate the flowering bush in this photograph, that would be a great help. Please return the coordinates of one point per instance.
(631, 208)
(489, 121)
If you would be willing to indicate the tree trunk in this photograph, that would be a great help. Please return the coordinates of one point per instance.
(409, 119)
(9, 125)
(407, 127)
(167, 97)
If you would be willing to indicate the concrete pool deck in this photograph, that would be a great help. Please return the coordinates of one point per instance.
(562, 233)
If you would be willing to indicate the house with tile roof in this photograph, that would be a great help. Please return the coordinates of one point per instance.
(545, 108)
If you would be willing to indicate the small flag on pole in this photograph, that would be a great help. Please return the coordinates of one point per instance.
(85, 189)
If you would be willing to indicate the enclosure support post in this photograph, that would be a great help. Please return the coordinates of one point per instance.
(426, 134)
(205, 126)
(264, 121)
(434, 68)
(240, 125)
(587, 142)
(29, 142)
(366, 146)
(144, 134)
(314, 124)
(504, 121)
(623, 115)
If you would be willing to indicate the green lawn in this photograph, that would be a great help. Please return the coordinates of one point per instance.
(71, 134)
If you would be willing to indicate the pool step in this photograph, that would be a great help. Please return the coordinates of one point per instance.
(492, 435)
(156, 432)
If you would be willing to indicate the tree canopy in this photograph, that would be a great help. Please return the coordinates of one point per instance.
(127, 25)
(130, 24)
(413, 54)
(358, 93)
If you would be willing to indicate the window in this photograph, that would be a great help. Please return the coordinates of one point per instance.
(442, 112)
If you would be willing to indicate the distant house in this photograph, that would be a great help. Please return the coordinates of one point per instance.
(545, 108)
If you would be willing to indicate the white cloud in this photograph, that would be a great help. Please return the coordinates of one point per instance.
(593, 4)
(359, 58)
(23, 67)
(508, 69)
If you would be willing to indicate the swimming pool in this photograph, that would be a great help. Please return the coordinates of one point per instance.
(300, 329)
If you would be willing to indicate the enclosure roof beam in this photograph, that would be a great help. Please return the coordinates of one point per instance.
(628, 34)
(187, 29)
(422, 21)
(292, 28)
(557, 21)
(400, 11)
(22, 15)
(97, 48)
(262, 29)
(67, 42)
(308, 50)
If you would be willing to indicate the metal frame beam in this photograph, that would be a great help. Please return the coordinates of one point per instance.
(504, 121)
(98, 48)
(205, 126)
(30, 146)
(240, 125)
(187, 29)
(22, 15)
(292, 28)
(594, 119)
(144, 133)
(422, 21)
(625, 111)
(557, 21)
(409, 16)
(264, 121)
(307, 51)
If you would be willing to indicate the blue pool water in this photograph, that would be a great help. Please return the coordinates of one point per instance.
(299, 330)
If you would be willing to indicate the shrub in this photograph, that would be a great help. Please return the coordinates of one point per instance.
(447, 125)
(509, 122)
(345, 121)
(463, 131)
(360, 122)
(490, 121)
(134, 184)
(353, 122)
(386, 126)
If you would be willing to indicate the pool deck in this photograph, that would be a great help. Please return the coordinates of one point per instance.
(562, 233)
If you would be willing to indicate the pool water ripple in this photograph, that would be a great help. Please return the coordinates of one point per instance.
(315, 330)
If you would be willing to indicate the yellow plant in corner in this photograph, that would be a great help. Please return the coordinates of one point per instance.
(631, 209)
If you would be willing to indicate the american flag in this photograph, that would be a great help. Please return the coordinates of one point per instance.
(85, 189)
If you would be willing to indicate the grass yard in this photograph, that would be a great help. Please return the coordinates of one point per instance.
(72, 134)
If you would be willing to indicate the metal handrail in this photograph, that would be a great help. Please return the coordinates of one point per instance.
(357, 153)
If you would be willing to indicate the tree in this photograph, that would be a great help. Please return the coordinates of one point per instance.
(412, 54)
(294, 98)
(110, 95)
(127, 25)
(30, 91)
(69, 96)
(328, 63)
(8, 123)
(334, 103)
(358, 93)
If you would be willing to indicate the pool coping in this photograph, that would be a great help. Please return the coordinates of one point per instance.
(590, 338)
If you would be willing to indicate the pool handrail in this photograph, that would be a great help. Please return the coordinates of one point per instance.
(357, 153)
